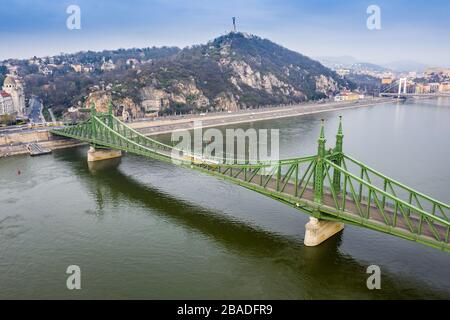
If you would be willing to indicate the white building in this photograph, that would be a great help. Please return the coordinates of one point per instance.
(80, 68)
(132, 63)
(77, 67)
(343, 72)
(108, 66)
(6, 104)
(14, 88)
(45, 70)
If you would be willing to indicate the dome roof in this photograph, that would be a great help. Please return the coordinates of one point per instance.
(9, 81)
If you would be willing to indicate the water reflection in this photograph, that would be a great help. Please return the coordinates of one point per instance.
(99, 166)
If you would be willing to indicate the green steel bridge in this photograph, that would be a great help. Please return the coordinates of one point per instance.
(330, 185)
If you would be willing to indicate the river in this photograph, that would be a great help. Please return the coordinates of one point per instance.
(147, 229)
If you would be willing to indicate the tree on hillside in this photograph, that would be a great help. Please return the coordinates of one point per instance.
(3, 72)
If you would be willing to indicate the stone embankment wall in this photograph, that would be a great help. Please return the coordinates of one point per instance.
(27, 137)
(16, 143)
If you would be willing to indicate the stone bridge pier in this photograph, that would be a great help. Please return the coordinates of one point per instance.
(95, 154)
(317, 231)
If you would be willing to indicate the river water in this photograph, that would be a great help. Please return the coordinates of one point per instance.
(146, 229)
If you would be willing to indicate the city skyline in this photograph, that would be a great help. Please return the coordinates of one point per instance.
(408, 31)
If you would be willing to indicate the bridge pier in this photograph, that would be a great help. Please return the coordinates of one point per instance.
(317, 231)
(102, 154)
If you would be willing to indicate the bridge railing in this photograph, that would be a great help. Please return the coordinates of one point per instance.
(383, 205)
(290, 177)
(121, 136)
(400, 190)
(138, 137)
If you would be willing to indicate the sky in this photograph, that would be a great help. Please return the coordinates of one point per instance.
(410, 29)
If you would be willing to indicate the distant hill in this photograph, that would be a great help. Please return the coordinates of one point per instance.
(331, 61)
(231, 72)
(370, 66)
(353, 63)
(350, 63)
(406, 66)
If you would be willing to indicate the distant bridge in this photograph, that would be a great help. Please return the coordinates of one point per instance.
(402, 85)
(331, 186)
(407, 95)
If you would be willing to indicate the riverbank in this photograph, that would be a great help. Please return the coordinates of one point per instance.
(220, 119)
(15, 143)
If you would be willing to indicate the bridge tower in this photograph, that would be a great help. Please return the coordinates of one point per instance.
(338, 161)
(320, 166)
(318, 230)
(110, 114)
(402, 85)
(94, 153)
(93, 114)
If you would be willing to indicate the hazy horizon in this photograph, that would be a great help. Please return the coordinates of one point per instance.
(409, 32)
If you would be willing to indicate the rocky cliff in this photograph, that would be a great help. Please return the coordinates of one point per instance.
(234, 71)
(122, 106)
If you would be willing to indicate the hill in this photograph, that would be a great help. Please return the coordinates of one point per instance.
(407, 66)
(236, 71)
(231, 72)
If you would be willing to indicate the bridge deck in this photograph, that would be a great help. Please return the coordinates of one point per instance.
(352, 213)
